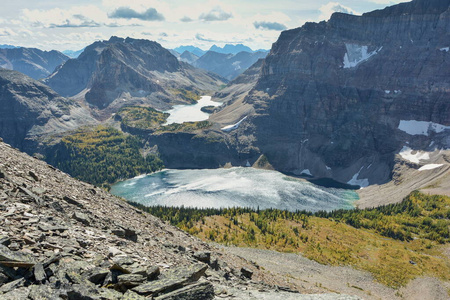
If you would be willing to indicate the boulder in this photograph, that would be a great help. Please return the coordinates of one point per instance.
(203, 256)
(172, 280)
(201, 290)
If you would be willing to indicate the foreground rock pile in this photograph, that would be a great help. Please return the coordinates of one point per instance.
(61, 238)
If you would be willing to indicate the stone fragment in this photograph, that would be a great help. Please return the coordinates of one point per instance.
(54, 258)
(246, 272)
(96, 275)
(164, 285)
(126, 233)
(8, 256)
(123, 264)
(73, 202)
(33, 175)
(203, 256)
(201, 290)
(56, 206)
(12, 285)
(5, 240)
(3, 278)
(153, 272)
(172, 280)
(130, 280)
(80, 217)
(113, 251)
(16, 294)
(43, 292)
(39, 273)
(130, 295)
(36, 198)
(47, 227)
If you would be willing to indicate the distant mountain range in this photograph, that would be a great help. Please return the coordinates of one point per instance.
(228, 66)
(227, 49)
(33, 62)
(73, 54)
(195, 50)
(4, 46)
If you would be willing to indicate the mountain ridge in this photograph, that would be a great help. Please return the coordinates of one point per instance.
(33, 62)
(113, 73)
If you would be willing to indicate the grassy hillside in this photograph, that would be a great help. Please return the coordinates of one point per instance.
(396, 243)
(102, 156)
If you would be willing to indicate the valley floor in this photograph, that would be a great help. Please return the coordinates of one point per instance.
(313, 278)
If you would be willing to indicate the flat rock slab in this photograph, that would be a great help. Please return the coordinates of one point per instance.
(7, 255)
(201, 290)
(130, 295)
(172, 280)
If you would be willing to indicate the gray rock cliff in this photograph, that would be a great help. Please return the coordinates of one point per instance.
(332, 97)
(31, 112)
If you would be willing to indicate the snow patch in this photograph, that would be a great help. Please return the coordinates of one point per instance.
(387, 91)
(430, 167)
(306, 172)
(357, 54)
(413, 127)
(328, 168)
(407, 154)
(361, 182)
(446, 49)
(234, 126)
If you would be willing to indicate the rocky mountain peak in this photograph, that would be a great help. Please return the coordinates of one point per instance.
(117, 72)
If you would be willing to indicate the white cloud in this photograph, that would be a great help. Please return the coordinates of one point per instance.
(79, 16)
(7, 32)
(215, 14)
(331, 7)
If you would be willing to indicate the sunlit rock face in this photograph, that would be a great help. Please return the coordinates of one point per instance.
(341, 98)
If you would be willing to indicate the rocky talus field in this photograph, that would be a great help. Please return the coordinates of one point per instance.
(64, 239)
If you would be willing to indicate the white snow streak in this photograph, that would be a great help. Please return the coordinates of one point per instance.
(361, 182)
(306, 172)
(357, 54)
(430, 167)
(407, 154)
(234, 126)
(414, 127)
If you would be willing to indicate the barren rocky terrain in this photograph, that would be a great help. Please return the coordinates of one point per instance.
(64, 239)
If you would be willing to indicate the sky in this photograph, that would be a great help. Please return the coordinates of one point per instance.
(74, 24)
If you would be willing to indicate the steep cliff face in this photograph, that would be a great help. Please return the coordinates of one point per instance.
(33, 62)
(31, 112)
(341, 98)
(109, 74)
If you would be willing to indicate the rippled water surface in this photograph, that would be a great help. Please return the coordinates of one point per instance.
(245, 187)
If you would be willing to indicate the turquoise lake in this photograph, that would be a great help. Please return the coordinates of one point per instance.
(244, 187)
